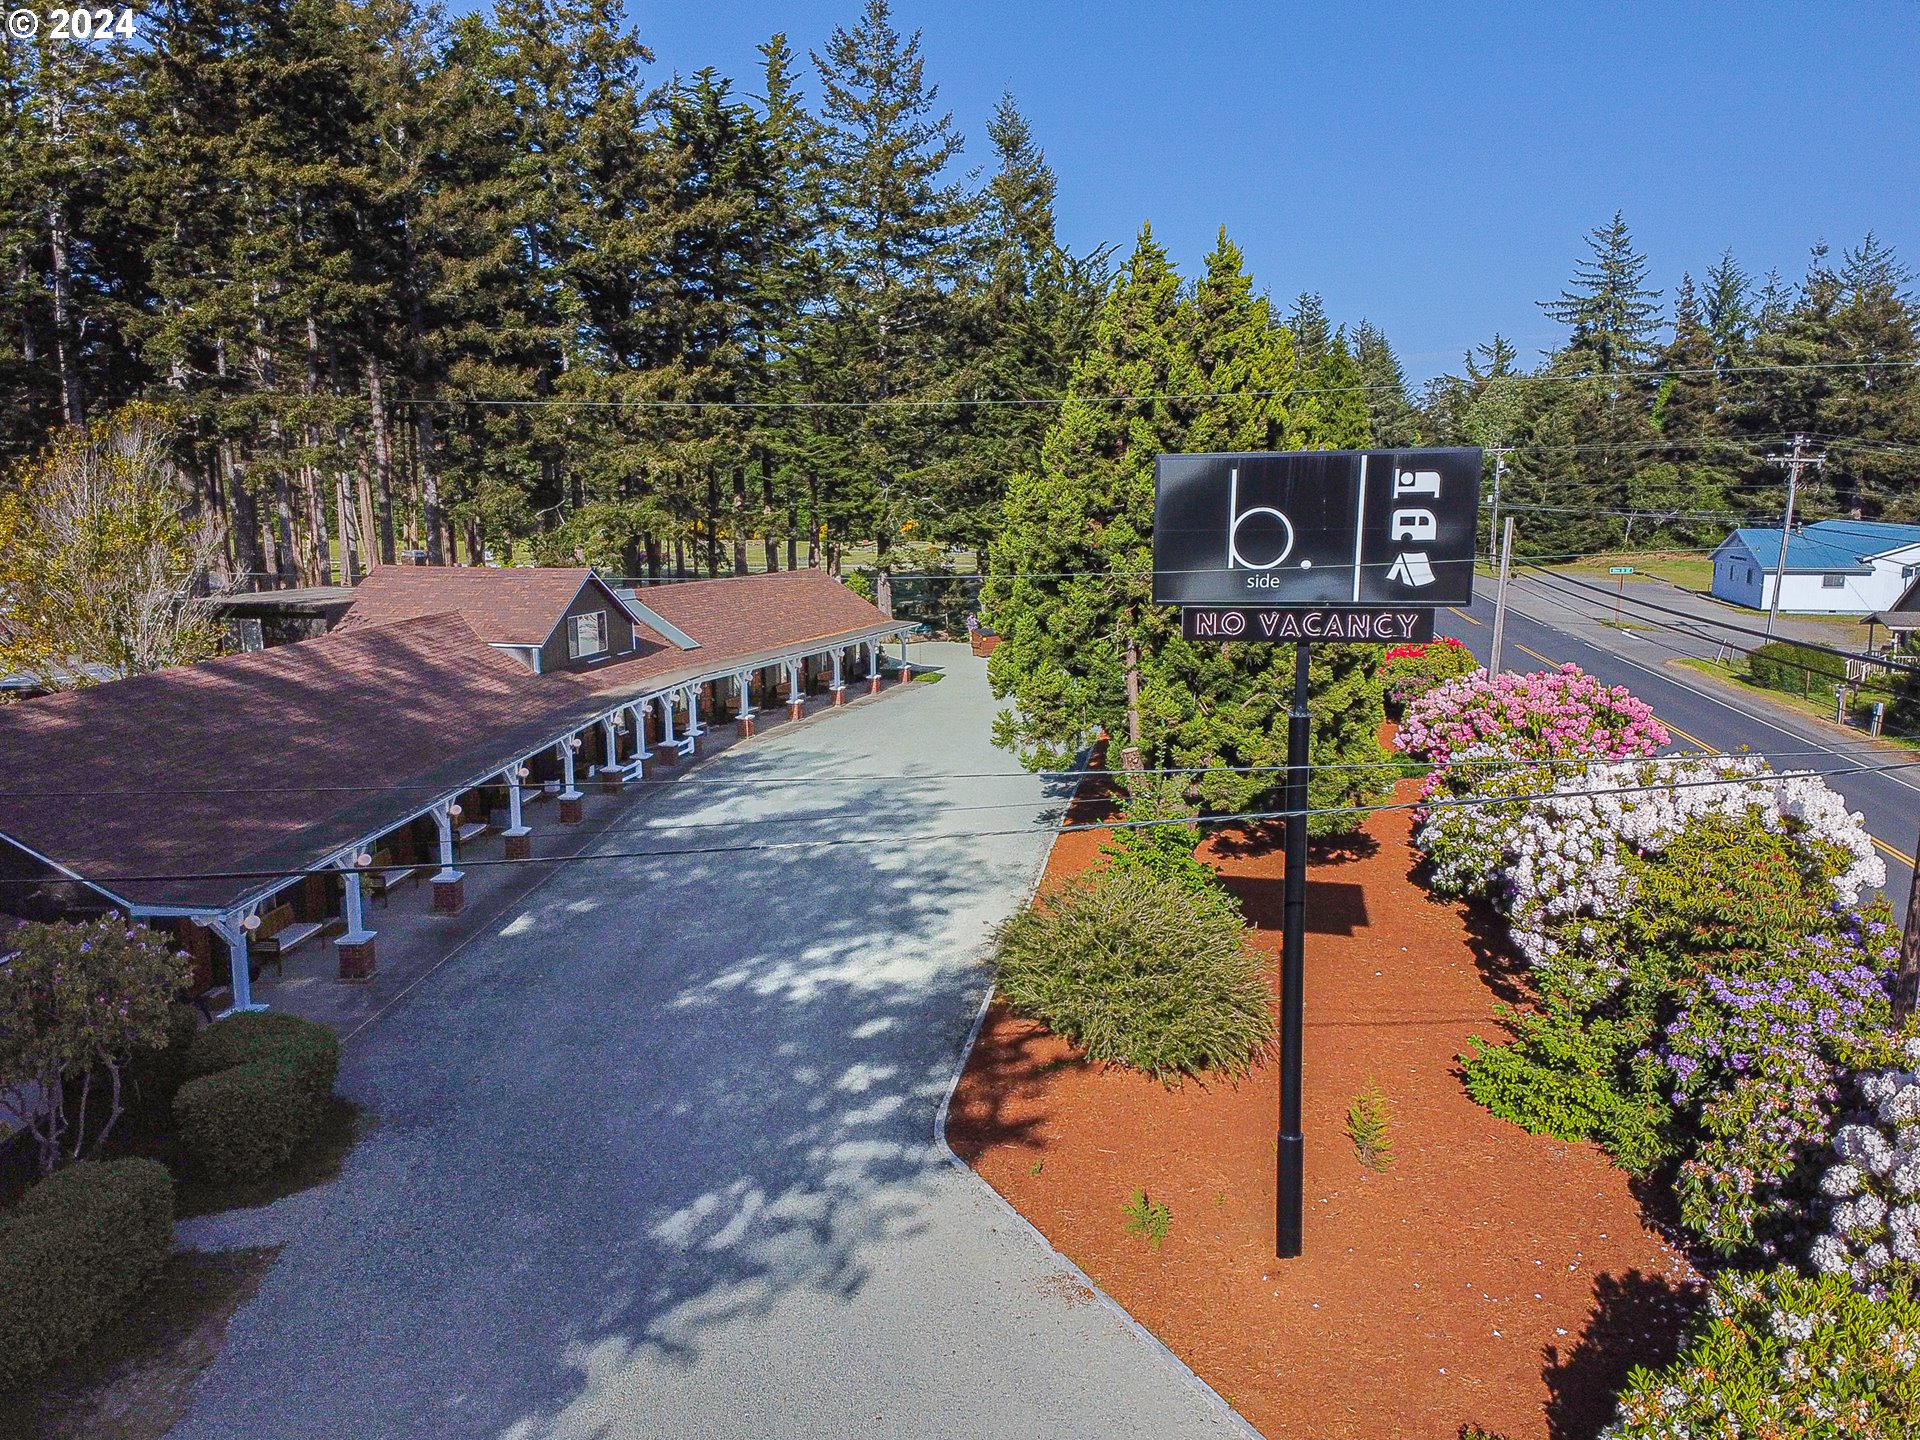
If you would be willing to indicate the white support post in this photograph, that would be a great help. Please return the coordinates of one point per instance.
(638, 714)
(694, 730)
(232, 929)
(354, 915)
(793, 682)
(666, 721)
(444, 824)
(834, 656)
(512, 776)
(906, 670)
(743, 688)
(565, 748)
(612, 744)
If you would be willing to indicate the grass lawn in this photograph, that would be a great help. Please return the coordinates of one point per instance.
(1813, 709)
(1682, 568)
(134, 1380)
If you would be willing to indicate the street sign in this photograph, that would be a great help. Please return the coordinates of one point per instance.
(1376, 625)
(1316, 528)
(1619, 569)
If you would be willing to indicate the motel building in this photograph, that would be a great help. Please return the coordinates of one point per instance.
(260, 801)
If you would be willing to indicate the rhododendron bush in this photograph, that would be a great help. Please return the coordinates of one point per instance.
(1713, 986)
(1761, 1065)
(1872, 1234)
(1486, 722)
(1575, 855)
(1784, 1357)
(1410, 671)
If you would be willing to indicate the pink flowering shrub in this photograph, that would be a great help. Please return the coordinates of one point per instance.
(1483, 722)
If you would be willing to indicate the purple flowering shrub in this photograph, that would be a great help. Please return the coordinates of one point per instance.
(1760, 1062)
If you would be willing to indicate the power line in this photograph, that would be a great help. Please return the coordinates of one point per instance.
(1900, 666)
(1234, 818)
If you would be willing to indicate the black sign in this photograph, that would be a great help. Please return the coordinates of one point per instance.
(1356, 625)
(1316, 528)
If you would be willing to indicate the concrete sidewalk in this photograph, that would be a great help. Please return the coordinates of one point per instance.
(654, 1155)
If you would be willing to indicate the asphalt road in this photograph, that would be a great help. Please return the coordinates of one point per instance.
(1550, 622)
(655, 1156)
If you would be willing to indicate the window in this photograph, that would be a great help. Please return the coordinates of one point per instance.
(587, 635)
(1833, 582)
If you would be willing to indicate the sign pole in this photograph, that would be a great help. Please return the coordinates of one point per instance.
(1290, 1151)
(1303, 548)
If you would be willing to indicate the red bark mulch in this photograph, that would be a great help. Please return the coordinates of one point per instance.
(1487, 1276)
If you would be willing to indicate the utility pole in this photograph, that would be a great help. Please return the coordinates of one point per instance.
(1793, 464)
(1493, 522)
(1500, 599)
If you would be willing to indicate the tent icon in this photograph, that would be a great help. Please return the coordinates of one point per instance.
(1411, 569)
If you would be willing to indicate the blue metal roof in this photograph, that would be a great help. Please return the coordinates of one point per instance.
(1828, 545)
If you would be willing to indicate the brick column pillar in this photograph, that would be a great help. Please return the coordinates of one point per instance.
(572, 810)
(449, 892)
(518, 843)
(356, 956)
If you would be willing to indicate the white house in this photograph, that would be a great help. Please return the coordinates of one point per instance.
(1834, 567)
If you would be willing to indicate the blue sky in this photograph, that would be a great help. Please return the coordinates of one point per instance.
(1429, 167)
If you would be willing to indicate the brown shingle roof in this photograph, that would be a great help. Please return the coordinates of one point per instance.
(504, 606)
(252, 762)
(748, 613)
(235, 764)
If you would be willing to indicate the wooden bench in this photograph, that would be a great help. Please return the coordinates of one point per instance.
(278, 936)
(471, 830)
(378, 880)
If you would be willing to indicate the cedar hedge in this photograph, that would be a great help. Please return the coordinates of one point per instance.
(258, 1092)
(1796, 669)
(74, 1253)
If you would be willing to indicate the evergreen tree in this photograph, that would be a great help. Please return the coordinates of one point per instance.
(1609, 309)
(1069, 584)
(896, 248)
(1727, 311)
(1391, 417)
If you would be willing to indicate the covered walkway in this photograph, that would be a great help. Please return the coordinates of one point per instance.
(654, 1154)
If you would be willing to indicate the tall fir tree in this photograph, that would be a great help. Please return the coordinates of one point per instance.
(1609, 311)
(896, 241)
(1084, 650)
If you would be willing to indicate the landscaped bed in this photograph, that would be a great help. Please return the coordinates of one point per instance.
(1485, 1276)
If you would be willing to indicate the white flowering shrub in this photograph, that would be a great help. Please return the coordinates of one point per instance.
(1872, 1190)
(1563, 863)
(1471, 848)
(1782, 1356)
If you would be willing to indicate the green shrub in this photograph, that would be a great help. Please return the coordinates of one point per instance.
(1575, 1080)
(1796, 669)
(259, 1092)
(1161, 852)
(1140, 973)
(1783, 1356)
(155, 1073)
(73, 1254)
(1151, 1220)
(1903, 715)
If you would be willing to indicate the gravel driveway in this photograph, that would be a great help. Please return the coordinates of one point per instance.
(655, 1157)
